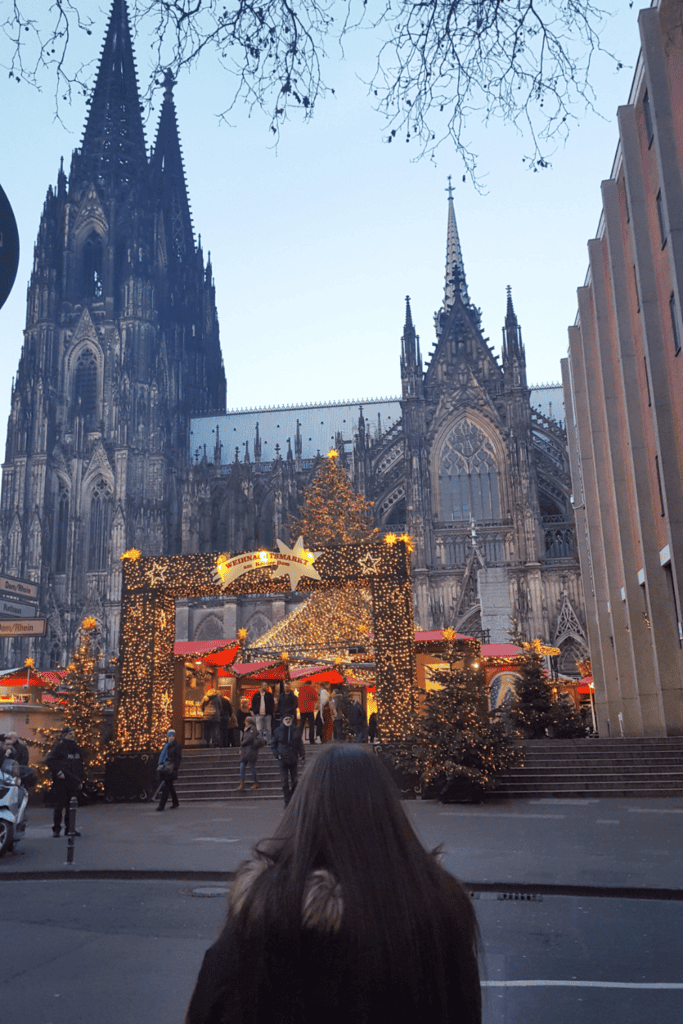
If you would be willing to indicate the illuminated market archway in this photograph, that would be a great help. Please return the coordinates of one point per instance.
(152, 584)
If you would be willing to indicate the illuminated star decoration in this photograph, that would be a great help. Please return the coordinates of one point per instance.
(370, 564)
(296, 562)
(157, 574)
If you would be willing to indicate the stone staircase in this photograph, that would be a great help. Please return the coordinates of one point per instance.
(214, 774)
(597, 768)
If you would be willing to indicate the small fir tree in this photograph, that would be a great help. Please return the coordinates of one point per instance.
(457, 739)
(83, 711)
(566, 720)
(332, 512)
(532, 709)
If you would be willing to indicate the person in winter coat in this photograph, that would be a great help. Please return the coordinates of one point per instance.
(168, 767)
(252, 741)
(225, 716)
(288, 748)
(308, 695)
(338, 717)
(357, 721)
(211, 710)
(326, 714)
(344, 882)
(65, 762)
(262, 707)
(288, 703)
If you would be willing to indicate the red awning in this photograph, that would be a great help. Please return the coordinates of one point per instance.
(317, 673)
(430, 636)
(586, 685)
(22, 677)
(213, 652)
(259, 670)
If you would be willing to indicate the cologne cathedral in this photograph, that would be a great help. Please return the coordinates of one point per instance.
(118, 435)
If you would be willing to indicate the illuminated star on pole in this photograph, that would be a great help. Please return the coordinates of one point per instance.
(296, 562)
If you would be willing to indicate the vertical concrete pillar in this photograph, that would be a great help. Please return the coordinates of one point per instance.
(607, 689)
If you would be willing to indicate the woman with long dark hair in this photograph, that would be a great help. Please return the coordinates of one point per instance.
(342, 916)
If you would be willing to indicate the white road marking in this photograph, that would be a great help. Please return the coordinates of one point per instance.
(574, 983)
(503, 814)
(607, 821)
(214, 839)
(655, 810)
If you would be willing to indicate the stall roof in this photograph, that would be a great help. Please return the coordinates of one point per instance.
(260, 669)
(320, 673)
(500, 650)
(21, 677)
(430, 636)
(214, 652)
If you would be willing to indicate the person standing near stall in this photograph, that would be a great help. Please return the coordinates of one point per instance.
(168, 766)
(307, 698)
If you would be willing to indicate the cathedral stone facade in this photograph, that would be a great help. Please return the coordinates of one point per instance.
(118, 435)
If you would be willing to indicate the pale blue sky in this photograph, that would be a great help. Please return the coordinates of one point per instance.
(315, 245)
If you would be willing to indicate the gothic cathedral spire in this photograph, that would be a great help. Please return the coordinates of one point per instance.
(455, 268)
(169, 178)
(113, 148)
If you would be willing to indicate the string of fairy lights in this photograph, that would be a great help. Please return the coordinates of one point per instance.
(151, 586)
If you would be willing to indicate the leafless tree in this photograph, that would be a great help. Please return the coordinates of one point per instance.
(439, 63)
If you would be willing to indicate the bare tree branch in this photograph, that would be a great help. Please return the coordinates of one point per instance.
(440, 66)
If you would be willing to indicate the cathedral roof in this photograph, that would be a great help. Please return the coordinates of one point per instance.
(318, 428)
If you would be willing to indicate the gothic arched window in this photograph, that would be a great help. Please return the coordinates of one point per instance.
(468, 476)
(86, 384)
(91, 267)
(100, 527)
(61, 531)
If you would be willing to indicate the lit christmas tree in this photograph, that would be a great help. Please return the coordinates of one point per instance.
(532, 709)
(83, 711)
(332, 512)
(458, 747)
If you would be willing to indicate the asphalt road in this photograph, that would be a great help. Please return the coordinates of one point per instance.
(82, 951)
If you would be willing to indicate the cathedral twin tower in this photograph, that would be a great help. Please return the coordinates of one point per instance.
(121, 346)
(121, 350)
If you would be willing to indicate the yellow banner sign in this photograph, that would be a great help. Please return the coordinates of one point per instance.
(293, 562)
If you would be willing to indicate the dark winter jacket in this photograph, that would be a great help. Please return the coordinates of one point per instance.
(288, 704)
(226, 708)
(171, 752)
(287, 745)
(356, 717)
(252, 741)
(66, 757)
(256, 703)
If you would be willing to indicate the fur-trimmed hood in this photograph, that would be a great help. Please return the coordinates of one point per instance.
(322, 905)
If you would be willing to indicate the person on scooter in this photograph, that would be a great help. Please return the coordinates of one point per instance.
(65, 762)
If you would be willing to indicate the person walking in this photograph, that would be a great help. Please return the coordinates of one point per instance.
(308, 696)
(326, 714)
(358, 721)
(337, 706)
(251, 743)
(346, 883)
(262, 707)
(225, 714)
(288, 748)
(168, 767)
(65, 762)
(288, 703)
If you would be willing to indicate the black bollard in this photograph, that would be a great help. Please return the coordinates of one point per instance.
(71, 829)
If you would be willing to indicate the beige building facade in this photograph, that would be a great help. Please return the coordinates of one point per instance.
(623, 384)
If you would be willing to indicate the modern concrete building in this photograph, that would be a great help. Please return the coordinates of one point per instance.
(624, 403)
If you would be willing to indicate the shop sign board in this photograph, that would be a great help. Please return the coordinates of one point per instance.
(14, 610)
(20, 589)
(23, 627)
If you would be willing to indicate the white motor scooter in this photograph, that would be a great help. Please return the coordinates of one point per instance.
(13, 802)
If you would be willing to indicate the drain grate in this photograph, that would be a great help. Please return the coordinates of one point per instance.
(524, 897)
